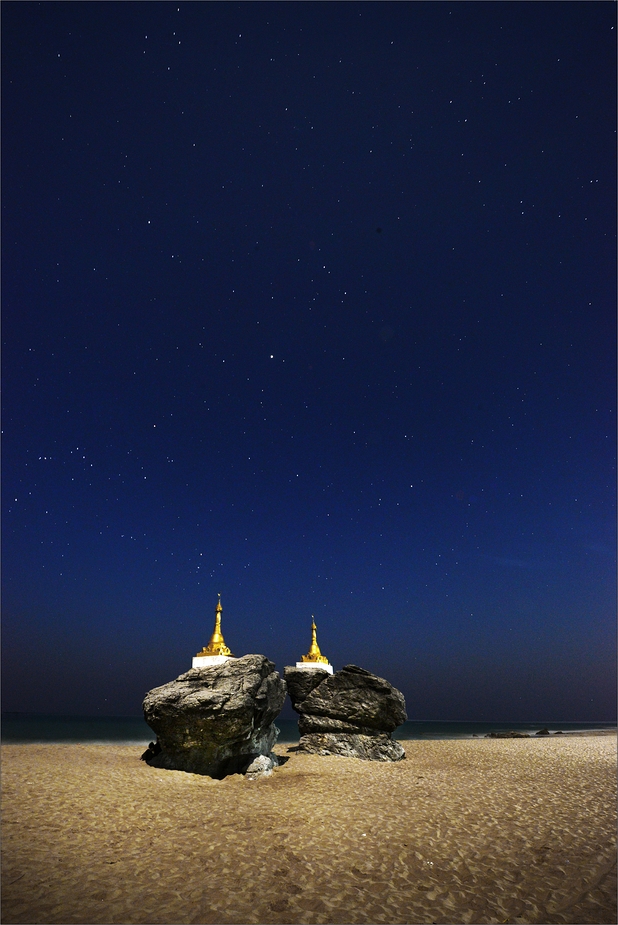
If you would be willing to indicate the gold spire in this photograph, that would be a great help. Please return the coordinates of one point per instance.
(217, 645)
(314, 654)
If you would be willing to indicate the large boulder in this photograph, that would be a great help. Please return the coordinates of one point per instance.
(351, 712)
(216, 720)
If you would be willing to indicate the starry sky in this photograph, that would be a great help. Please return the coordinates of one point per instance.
(312, 305)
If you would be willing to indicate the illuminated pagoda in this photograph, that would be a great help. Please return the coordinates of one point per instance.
(314, 658)
(216, 652)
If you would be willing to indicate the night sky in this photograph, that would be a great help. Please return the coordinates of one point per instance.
(312, 305)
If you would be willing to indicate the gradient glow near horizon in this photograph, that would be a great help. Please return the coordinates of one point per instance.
(312, 305)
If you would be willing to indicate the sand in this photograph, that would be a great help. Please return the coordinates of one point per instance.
(515, 830)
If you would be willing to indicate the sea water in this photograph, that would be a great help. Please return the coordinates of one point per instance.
(39, 727)
(113, 730)
(132, 730)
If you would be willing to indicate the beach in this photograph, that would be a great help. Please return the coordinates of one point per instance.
(472, 831)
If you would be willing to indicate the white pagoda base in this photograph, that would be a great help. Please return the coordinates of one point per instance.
(207, 661)
(322, 665)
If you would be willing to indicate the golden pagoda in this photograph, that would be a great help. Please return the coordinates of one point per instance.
(216, 651)
(314, 658)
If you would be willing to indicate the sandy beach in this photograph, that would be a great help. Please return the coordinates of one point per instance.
(515, 830)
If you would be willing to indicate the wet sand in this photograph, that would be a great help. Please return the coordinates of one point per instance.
(509, 830)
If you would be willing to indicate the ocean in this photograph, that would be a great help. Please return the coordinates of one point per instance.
(132, 730)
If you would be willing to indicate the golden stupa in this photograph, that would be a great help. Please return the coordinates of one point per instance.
(217, 645)
(314, 656)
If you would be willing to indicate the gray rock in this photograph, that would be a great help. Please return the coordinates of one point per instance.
(307, 723)
(262, 766)
(377, 747)
(302, 681)
(340, 714)
(352, 696)
(507, 735)
(216, 720)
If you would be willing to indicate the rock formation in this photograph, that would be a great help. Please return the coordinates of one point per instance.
(215, 720)
(350, 713)
(507, 735)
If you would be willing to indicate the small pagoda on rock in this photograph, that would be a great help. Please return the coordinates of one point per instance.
(314, 658)
(216, 652)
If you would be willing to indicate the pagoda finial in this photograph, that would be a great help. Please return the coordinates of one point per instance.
(314, 654)
(217, 645)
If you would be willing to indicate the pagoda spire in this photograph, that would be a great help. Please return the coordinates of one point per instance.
(314, 657)
(217, 645)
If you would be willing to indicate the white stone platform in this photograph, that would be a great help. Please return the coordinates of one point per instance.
(207, 661)
(324, 667)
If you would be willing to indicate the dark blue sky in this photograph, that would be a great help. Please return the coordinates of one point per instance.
(313, 305)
